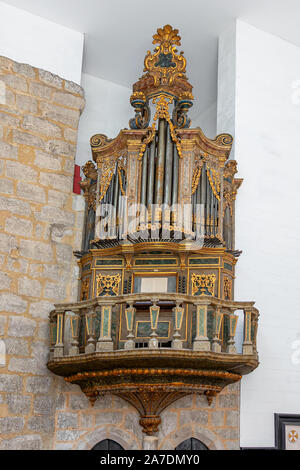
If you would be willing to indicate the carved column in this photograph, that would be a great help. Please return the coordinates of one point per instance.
(247, 344)
(232, 321)
(178, 313)
(75, 325)
(216, 344)
(59, 346)
(150, 443)
(105, 342)
(90, 322)
(201, 341)
(130, 315)
(154, 315)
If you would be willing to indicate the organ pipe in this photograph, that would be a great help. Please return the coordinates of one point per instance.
(175, 176)
(203, 180)
(150, 175)
(168, 168)
(144, 178)
(160, 165)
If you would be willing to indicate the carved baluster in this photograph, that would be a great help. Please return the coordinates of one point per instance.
(255, 315)
(216, 344)
(105, 342)
(154, 315)
(53, 333)
(130, 315)
(75, 324)
(247, 344)
(90, 322)
(201, 341)
(232, 320)
(59, 346)
(178, 317)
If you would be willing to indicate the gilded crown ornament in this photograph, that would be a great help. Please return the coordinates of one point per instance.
(165, 76)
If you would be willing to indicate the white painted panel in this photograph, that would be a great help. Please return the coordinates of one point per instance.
(154, 284)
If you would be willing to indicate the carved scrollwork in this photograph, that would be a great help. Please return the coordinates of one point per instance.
(180, 117)
(99, 140)
(142, 111)
(224, 139)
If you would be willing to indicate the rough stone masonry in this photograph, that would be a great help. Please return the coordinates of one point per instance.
(41, 224)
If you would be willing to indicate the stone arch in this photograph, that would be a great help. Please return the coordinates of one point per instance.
(209, 438)
(122, 437)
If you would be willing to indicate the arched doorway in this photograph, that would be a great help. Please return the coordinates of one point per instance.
(191, 444)
(107, 444)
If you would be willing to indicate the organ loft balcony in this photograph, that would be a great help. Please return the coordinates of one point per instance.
(157, 319)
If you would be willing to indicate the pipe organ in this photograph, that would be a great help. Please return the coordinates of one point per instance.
(161, 186)
(158, 255)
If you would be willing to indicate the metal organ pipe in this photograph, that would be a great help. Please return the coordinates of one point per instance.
(116, 200)
(151, 165)
(175, 177)
(208, 200)
(198, 209)
(203, 180)
(144, 178)
(160, 165)
(168, 168)
(212, 219)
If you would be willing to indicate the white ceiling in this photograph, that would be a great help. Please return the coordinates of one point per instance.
(119, 32)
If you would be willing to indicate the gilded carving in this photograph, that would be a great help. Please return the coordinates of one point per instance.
(227, 288)
(203, 284)
(108, 285)
(89, 184)
(85, 285)
(165, 65)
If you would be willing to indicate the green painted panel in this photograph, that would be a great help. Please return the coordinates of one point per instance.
(201, 321)
(203, 261)
(228, 266)
(106, 314)
(109, 262)
(155, 261)
(144, 329)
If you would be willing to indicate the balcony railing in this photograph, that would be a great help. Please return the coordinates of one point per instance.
(86, 327)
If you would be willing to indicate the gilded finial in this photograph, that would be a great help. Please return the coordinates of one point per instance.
(167, 35)
(165, 70)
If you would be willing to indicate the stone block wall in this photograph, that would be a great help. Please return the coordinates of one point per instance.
(41, 224)
(80, 426)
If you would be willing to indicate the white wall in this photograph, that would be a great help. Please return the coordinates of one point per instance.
(207, 120)
(30, 39)
(227, 84)
(107, 111)
(267, 126)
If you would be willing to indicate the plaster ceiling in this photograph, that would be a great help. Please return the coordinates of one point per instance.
(119, 32)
